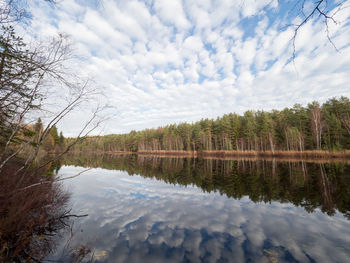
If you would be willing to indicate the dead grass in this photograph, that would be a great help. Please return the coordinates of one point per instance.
(298, 154)
(31, 217)
(283, 155)
(170, 153)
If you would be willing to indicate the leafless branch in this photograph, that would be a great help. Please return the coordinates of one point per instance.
(50, 181)
(320, 9)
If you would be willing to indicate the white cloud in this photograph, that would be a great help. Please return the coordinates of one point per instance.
(126, 22)
(171, 11)
(172, 61)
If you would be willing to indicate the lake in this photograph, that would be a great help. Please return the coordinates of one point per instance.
(160, 209)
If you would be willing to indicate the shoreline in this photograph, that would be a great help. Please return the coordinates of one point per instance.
(281, 155)
(260, 154)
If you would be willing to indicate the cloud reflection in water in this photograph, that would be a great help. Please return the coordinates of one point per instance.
(135, 219)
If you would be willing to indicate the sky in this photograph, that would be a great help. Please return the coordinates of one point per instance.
(161, 62)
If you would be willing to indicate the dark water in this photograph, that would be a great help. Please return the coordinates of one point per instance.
(146, 209)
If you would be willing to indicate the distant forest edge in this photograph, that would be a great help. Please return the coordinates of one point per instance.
(312, 131)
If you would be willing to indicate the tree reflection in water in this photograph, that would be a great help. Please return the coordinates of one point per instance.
(312, 185)
(32, 219)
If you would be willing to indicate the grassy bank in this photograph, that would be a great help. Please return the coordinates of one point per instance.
(256, 154)
(310, 156)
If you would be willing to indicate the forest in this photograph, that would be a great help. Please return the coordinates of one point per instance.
(315, 127)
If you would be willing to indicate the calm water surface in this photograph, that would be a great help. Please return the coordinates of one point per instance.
(146, 209)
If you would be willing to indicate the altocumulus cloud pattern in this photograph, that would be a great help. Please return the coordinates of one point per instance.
(167, 61)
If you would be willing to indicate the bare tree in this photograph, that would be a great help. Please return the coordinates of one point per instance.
(29, 74)
(25, 76)
(317, 123)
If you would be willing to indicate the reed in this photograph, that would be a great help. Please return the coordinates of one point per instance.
(311, 155)
(170, 153)
(255, 154)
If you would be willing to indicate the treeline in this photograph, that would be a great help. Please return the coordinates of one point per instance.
(314, 127)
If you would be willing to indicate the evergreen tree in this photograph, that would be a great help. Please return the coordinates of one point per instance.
(61, 139)
(293, 129)
(54, 134)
